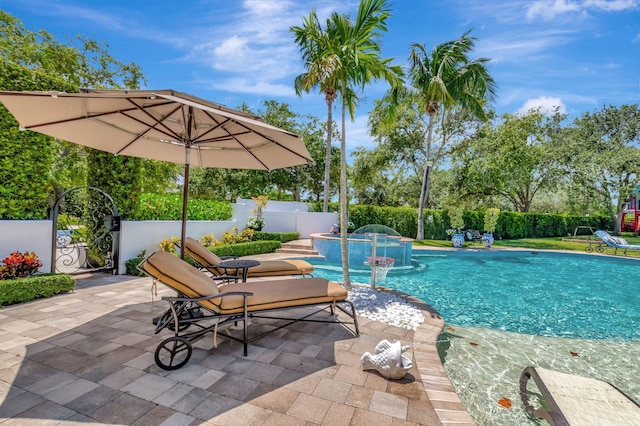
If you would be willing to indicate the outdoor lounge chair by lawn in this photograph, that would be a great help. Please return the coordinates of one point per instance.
(200, 300)
(616, 242)
(576, 400)
(208, 261)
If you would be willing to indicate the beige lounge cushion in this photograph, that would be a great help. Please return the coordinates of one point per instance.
(282, 294)
(200, 253)
(179, 275)
(281, 267)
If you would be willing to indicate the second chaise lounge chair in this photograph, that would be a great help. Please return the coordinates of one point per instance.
(209, 261)
(616, 242)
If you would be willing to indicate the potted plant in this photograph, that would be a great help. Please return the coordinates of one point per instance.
(457, 223)
(490, 222)
(255, 223)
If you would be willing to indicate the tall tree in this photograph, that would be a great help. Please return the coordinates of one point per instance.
(607, 147)
(321, 73)
(514, 160)
(444, 79)
(356, 48)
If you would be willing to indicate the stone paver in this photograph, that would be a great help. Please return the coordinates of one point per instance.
(88, 357)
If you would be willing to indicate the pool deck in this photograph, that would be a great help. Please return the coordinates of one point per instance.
(87, 357)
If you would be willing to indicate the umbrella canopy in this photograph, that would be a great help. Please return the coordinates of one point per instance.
(160, 125)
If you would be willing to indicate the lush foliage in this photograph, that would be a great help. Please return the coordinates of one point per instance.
(19, 265)
(119, 176)
(491, 219)
(456, 216)
(169, 207)
(26, 157)
(30, 288)
(131, 266)
(31, 165)
(515, 159)
(245, 249)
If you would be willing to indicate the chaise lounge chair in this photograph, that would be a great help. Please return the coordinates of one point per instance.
(576, 400)
(208, 261)
(616, 242)
(199, 299)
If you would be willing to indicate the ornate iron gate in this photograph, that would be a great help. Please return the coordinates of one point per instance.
(86, 232)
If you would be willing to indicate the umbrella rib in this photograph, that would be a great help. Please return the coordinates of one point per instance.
(167, 131)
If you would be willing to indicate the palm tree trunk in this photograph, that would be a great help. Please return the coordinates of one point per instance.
(327, 158)
(424, 193)
(343, 200)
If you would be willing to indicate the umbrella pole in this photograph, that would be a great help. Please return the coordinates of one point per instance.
(185, 199)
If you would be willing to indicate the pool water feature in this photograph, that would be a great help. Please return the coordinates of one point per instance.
(360, 248)
(548, 300)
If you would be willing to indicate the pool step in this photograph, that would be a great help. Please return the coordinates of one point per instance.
(302, 247)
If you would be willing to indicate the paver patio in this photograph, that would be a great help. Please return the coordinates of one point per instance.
(87, 357)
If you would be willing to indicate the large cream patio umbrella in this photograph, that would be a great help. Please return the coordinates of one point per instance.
(160, 125)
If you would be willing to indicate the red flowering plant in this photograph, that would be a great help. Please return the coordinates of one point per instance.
(19, 265)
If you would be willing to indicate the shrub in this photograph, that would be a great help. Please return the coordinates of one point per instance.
(169, 244)
(233, 237)
(131, 266)
(25, 289)
(19, 265)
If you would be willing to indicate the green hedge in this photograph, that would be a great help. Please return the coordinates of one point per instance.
(245, 249)
(25, 289)
(169, 207)
(283, 237)
(510, 224)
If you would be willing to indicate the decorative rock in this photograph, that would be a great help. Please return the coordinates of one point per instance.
(388, 360)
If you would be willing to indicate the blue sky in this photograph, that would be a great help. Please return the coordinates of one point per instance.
(576, 54)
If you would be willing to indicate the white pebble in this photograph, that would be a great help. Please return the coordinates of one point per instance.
(385, 307)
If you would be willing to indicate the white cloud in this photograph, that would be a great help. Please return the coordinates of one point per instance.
(546, 105)
(358, 132)
(254, 87)
(549, 9)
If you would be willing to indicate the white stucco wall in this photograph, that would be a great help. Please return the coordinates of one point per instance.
(27, 235)
(36, 235)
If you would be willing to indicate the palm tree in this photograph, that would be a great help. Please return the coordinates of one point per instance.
(321, 72)
(444, 80)
(356, 47)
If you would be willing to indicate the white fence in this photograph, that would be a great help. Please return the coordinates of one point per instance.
(37, 235)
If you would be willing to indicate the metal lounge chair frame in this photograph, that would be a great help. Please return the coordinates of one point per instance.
(207, 261)
(575, 400)
(616, 242)
(199, 300)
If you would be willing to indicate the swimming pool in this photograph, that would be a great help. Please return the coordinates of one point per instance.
(529, 292)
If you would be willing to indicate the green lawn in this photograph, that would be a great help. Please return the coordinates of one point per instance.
(554, 243)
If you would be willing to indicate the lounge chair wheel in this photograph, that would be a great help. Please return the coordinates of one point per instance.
(600, 249)
(173, 353)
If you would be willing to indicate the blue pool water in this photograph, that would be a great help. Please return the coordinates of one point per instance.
(538, 293)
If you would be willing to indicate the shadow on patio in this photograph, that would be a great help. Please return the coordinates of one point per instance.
(88, 357)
